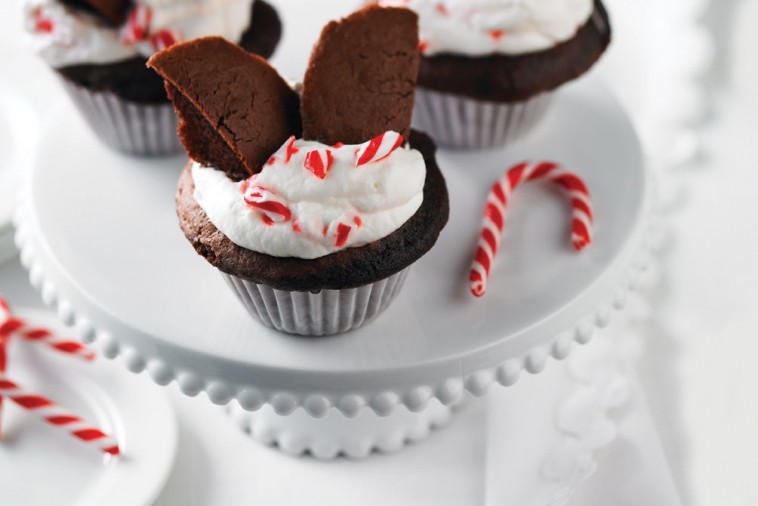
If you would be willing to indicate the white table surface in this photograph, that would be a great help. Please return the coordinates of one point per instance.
(698, 372)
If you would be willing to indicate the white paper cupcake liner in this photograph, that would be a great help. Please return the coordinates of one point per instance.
(323, 313)
(456, 121)
(139, 129)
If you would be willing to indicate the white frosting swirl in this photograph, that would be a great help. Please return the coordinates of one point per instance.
(65, 36)
(350, 207)
(482, 27)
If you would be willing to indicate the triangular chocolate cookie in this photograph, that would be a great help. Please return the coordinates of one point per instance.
(234, 109)
(361, 77)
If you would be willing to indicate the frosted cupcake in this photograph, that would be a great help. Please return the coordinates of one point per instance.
(99, 48)
(489, 67)
(312, 207)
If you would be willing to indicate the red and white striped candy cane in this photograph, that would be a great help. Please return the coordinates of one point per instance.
(56, 415)
(494, 214)
(13, 326)
(378, 148)
(269, 205)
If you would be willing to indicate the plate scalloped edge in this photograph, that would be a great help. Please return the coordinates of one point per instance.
(416, 398)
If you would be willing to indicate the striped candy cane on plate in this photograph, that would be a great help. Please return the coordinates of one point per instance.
(497, 201)
(11, 326)
(58, 416)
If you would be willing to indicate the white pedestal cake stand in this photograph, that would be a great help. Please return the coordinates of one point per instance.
(98, 232)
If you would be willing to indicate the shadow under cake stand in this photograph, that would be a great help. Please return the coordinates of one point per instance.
(98, 232)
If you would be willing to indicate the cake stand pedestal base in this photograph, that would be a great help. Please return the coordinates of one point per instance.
(334, 434)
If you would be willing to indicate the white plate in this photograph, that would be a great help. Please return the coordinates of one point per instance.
(41, 465)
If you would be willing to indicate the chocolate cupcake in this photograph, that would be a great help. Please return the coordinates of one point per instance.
(313, 207)
(100, 47)
(489, 67)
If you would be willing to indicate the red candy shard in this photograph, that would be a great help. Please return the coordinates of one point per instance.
(164, 39)
(269, 206)
(319, 162)
(378, 148)
(42, 24)
(137, 25)
(497, 34)
(343, 232)
(286, 152)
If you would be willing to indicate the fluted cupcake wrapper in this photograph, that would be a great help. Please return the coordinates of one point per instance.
(457, 121)
(321, 313)
(131, 127)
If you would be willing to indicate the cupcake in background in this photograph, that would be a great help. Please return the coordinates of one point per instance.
(100, 48)
(489, 67)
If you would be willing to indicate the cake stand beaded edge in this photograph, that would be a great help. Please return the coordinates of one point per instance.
(416, 397)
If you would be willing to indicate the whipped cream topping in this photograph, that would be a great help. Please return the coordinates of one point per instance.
(482, 27)
(67, 36)
(311, 199)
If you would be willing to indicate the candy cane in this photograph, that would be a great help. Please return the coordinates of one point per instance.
(58, 416)
(13, 326)
(494, 215)
(378, 148)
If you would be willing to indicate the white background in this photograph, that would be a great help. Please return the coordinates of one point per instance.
(699, 370)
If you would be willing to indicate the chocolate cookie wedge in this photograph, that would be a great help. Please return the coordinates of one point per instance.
(361, 77)
(203, 77)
